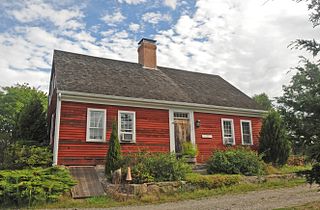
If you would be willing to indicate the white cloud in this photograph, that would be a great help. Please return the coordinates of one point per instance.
(243, 41)
(111, 19)
(171, 3)
(132, 1)
(134, 27)
(39, 11)
(155, 17)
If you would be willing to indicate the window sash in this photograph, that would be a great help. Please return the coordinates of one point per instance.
(246, 132)
(96, 125)
(126, 126)
(227, 131)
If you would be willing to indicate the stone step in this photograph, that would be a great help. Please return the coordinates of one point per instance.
(201, 171)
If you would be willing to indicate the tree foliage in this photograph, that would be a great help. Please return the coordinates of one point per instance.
(300, 106)
(274, 145)
(12, 101)
(31, 125)
(113, 159)
(263, 100)
(312, 45)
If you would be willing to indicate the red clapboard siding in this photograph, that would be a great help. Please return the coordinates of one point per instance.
(211, 124)
(152, 133)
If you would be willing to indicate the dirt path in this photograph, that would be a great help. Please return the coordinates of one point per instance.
(266, 199)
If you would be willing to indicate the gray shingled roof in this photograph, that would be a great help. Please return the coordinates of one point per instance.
(82, 73)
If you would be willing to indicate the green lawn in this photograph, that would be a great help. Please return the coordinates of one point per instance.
(103, 202)
(286, 169)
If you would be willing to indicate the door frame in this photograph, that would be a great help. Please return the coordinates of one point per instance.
(171, 127)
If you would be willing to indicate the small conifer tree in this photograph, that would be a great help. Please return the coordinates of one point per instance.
(274, 145)
(113, 159)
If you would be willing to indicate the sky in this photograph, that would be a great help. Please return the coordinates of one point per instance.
(243, 41)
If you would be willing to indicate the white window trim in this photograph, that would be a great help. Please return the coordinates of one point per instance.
(250, 125)
(104, 125)
(222, 129)
(133, 130)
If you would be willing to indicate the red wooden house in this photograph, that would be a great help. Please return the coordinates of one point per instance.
(156, 108)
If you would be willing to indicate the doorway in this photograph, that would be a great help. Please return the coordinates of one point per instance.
(181, 130)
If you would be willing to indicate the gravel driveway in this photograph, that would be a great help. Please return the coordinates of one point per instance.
(266, 199)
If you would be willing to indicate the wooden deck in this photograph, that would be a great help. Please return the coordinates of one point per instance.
(88, 182)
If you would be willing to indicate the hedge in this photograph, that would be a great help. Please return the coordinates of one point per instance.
(31, 186)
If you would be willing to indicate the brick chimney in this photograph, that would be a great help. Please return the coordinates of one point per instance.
(147, 53)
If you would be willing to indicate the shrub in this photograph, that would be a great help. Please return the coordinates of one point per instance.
(294, 160)
(147, 167)
(313, 175)
(113, 159)
(274, 144)
(17, 156)
(235, 161)
(189, 149)
(212, 181)
(30, 186)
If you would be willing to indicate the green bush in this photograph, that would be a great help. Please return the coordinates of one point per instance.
(17, 156)
(189, 149)
(235, 161)
(313, 175)
(113, 158)
(212, 181)
(30, 186)
(147, 167)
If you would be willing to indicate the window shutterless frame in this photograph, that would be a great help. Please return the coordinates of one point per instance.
(223, 131)
(242, 133)
(104, 125)
(133, 132)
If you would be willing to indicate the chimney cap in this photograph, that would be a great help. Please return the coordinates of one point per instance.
(147, 40)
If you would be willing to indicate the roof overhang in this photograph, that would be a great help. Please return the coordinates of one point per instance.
(92, 98)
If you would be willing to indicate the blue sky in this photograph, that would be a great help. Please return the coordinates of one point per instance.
(244, 41)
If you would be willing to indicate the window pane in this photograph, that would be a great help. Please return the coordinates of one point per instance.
(96, 119)
(126, 122)
(96, 124)
(126, 126)
(227, 132)
(96, 133)
(246, 132)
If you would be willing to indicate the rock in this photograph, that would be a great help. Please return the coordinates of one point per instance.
(137, 189)
(153, 189)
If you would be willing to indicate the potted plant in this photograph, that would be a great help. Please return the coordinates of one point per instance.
(189, 152)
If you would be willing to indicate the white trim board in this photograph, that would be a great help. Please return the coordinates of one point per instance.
(156, 104)
(56, 131)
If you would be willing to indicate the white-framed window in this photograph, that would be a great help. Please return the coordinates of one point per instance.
(96, 125)
(127, 126)
(246, 132)
(227, 131)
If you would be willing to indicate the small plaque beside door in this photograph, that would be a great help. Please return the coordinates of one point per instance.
(206, 136)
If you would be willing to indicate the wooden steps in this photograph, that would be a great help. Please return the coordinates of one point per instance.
(88, 182)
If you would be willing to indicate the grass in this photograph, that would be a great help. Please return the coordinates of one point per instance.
(105, 201)
(287, 169)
